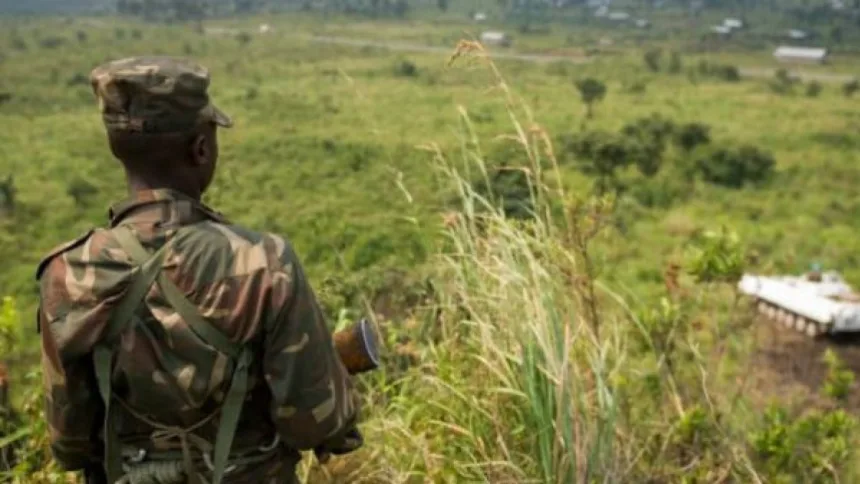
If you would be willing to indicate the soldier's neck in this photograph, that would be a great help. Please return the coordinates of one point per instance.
(138, 184)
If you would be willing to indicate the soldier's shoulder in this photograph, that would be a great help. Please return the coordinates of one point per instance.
(234, 238)
(61, 249)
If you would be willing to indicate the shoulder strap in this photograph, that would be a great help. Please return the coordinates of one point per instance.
(233, 403)
(120, 318)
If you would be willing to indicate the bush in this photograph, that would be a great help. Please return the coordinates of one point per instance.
(52, 42)
(813, 89)
(689, 136)
(405, 68)
(652, 59)
(81, 191)
(675, 64)
(851, 87)
(728, 73)
(811, 448)
(735, 168)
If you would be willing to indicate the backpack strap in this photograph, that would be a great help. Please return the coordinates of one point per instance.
(119, 319)
(232, 406)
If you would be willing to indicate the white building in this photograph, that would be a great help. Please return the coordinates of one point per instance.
(804, 55)
(619, 16)
(480, 17)
(733, 23)
(721, 30)
(796, 34)
(496, 38)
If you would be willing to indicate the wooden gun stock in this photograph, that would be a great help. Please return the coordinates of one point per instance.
(358, 347)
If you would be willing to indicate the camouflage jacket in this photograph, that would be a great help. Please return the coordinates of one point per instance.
(250, 285)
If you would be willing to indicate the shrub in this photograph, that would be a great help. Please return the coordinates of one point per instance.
(52, 42)
(652, 59)
(690, 135)
(81, 191)
(405, 68)
(675, 64)
(851, 87)
(735, 168)
(813, 89)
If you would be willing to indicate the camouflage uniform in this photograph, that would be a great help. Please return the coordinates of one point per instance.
(165, 375)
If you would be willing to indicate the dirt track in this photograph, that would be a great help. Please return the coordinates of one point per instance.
(790, 364)
(761, 72)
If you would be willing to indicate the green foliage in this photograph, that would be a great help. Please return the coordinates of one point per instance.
(601, 154)
(716, 256)
(813, 89)
(851, 87)
(736, 167)
(691, 135)
(8, 194)
(727, 73)
(839, 380)
(10, 329)
(814, 448)
(676, 66)
(783, 83)
(81, 191)
(591, 91)
(405, 68)
(652, 59)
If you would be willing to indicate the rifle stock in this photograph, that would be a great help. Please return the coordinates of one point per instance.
(358, 347)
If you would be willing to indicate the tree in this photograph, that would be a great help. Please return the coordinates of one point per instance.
(604, 152)
(442, 4)
(652, 59)
(647, 142)
(690, 135)
(591, 90)
(735, 168)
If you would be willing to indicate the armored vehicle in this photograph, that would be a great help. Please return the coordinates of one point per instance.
(816, 303)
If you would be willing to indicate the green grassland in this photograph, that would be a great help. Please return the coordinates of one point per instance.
(356, 154)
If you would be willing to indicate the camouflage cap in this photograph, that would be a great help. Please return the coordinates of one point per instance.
(155, 95)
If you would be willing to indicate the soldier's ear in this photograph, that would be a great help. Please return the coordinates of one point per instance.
(201, 151)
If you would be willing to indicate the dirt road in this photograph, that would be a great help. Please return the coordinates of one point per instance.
(760, 72)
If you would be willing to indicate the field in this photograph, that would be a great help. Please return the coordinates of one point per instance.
(599, 339)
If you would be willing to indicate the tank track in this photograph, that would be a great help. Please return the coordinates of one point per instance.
(790, 320)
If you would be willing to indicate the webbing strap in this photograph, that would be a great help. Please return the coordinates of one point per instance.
(103, 353)
(233, 403)
(177, 299)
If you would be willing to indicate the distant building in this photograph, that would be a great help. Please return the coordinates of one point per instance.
(803, 55)
(601, 11)
(619, 16)
(796, 34)
(721, 30)
(643, 23)
(496, 38)
(733, 23)
(480, 17)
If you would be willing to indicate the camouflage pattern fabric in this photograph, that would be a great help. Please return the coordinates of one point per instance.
(248, 284)
(155, 95)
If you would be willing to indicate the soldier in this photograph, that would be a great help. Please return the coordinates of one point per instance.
(178, 347)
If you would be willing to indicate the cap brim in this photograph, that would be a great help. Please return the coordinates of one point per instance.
(219, 117)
